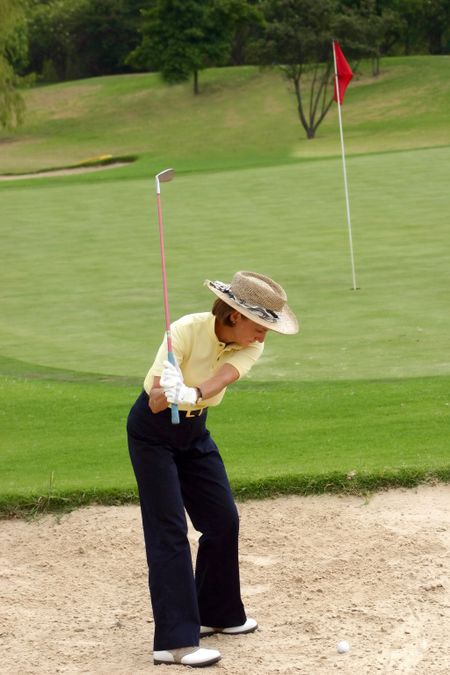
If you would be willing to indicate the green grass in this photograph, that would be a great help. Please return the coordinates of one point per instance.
(357, 401)
(349, 436)
(81, 270)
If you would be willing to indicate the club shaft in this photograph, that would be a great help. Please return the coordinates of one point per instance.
(163, 269)
(170, 354)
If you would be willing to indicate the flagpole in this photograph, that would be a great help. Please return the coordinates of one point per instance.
(344, 167)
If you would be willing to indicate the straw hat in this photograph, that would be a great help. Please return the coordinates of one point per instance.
(259, 298)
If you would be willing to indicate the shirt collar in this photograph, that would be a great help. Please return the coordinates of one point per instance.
(232, 346)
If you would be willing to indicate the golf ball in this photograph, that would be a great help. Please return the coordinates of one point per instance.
(343, 647)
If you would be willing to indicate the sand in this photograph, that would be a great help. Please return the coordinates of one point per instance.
(315, 570)
(63, 172)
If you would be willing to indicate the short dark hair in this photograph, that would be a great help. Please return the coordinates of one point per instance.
(222, 312)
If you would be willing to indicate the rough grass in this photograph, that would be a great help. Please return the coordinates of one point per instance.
(63, 438)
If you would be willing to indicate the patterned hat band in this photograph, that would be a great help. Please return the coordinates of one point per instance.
(261, 312)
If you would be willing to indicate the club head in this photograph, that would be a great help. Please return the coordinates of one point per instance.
(165, 176)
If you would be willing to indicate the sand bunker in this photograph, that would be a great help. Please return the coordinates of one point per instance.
(315, 570)
(64, 172)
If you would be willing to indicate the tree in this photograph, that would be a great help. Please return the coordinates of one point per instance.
(247, 32)
(16, 46)
(81, 38)
(298, 38)
(103, 35)
(369, 30)
(11, 102)
(51, 36)
(436, 15)
(411, 34)
(424, 24)
(181, 37)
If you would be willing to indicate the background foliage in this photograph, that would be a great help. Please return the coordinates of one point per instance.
(84, 38)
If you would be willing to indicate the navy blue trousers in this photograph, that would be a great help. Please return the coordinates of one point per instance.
(179, 467)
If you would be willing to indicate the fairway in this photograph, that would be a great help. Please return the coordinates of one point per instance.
(364, 387)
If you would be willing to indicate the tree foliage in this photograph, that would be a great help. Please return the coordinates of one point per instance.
(12, 106)
(369, 31)
(436, 15)
(51, 36)
(247, 31)
(424, 25)
(66, 39)
(182, 37)
(81, 38)
(105, 34)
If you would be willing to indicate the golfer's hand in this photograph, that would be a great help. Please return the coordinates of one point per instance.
(181, 394)
(171, 376)
(157, 401)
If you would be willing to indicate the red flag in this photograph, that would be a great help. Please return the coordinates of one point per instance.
(343, 71)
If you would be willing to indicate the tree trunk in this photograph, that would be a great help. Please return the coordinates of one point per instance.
(196, 87)
(375, 66)
(319, 104)
(435, 40)
(298, 93)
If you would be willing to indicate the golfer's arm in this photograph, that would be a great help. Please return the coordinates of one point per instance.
(225, 376)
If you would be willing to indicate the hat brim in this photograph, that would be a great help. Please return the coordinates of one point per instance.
(286, 322)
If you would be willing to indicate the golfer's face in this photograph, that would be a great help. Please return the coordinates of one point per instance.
(247, 331)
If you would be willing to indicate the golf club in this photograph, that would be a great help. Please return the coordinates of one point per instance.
(164, 177)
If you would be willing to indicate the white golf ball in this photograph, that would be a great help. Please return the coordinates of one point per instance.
(343, 647)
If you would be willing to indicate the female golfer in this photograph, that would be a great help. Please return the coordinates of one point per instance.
(179, 467)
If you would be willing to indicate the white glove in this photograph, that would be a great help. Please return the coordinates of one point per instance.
(174, 388)
(171, 376)
(181, 394)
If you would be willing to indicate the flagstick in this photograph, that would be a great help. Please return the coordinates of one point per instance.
(347, 201)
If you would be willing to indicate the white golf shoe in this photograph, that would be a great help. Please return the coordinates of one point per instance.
(248, 627)
(195, 657)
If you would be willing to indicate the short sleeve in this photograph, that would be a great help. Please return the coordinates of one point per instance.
(244, 359)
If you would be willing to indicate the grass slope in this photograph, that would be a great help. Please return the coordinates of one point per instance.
(243, 117)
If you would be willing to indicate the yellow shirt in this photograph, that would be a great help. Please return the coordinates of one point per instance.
(200, 354)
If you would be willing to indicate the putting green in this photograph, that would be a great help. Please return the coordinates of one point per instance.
(81, 272)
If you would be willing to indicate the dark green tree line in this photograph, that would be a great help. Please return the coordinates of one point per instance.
(69, 39)
(84, 38)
